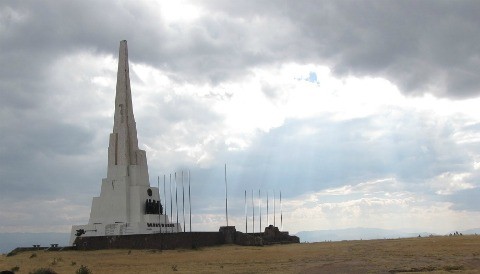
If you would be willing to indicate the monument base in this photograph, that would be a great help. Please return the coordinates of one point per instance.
(154, 225)
(225, 235)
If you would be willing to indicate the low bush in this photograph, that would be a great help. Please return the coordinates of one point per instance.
(83, 270)
(43, 271)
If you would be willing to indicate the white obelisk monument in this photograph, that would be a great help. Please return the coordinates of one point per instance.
(127, 204)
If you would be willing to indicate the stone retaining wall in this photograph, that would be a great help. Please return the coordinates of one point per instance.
(151, 241)
(226, 235)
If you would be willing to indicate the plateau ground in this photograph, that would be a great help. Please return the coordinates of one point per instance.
(427, 254)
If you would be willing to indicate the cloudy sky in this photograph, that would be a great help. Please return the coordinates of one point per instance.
(364, 114)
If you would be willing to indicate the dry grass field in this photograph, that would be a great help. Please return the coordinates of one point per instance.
(459, 254)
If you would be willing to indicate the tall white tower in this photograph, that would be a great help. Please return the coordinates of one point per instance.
(127, 204)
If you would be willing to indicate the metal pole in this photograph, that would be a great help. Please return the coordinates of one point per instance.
(260, 211)
(165, 198)
(171, 203)
(161, 213)
(274, 208)
(253, 218)
(268, 216)
(183, 202)
(226, 195)
(246, 218)
(159, 204)
(176, 201)
(189, 201)
(281, 212)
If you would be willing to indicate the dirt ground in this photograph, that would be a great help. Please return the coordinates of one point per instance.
(457, 254)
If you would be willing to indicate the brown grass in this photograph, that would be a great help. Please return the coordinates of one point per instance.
(433, 255)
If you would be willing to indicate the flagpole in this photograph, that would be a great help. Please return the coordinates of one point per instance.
(163, 211)
(165, 198)
(246, 220)
(281, 212)
(268, 216)
(159, 203)
(189, 201)
(176, 201)
(260, 211)
(171, 203)
(253, 216)
(274, 208)
(183, 202)
(226, 195)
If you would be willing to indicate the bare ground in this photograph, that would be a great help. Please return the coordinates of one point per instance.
(459, 254)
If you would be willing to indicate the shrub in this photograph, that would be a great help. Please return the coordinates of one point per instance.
(56, 261)
(43, 271)
(83, 270)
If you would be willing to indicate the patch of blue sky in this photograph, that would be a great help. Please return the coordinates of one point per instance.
(312, 77)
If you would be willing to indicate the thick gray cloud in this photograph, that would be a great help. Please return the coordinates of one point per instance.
(427, 46)
(420, 46)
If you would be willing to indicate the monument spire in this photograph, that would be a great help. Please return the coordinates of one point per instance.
(125, 142)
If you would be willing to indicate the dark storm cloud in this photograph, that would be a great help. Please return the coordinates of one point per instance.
(422, 46)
